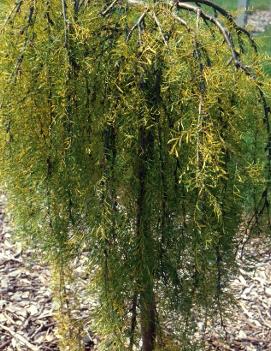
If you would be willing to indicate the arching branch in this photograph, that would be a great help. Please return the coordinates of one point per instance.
(109, 8)
(158, 24)
(228, 16)
(12, 14)
(137, 24)
(64, 14)
(199, 12)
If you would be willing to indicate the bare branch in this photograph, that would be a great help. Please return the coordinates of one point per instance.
(137, 24)
(229, 17)
(159, 27)
(198, 11)
(181, 21)
(64, 14)
(20, 338)
(12, 13)
(109, 8)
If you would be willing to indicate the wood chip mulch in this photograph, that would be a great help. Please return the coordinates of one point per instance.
(249, 325)
(26, 310)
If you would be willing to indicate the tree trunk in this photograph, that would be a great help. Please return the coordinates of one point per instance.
(147, 300)
(148, 320)
(242, 7)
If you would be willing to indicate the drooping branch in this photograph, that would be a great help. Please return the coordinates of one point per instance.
(210, 4)
(64, 14)
(159, 27)
(235, 57)
(76, 5)
(229, 17)
(109, 8)
(199, 12)
(25, 30)
(160, 205)
(137, 24)
(47, 14)
(181, 21)
(12, 14)
(186, 5)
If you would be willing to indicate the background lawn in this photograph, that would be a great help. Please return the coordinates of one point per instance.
(254, 4)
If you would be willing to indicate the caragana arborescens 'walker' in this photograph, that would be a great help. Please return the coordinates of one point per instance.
(137, 132)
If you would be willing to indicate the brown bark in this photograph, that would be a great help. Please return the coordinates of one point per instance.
(148, 320)
(147, 301)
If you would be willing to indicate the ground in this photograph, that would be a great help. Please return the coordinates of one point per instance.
(26, 311)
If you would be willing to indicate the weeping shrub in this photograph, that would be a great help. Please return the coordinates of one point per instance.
(138, 132)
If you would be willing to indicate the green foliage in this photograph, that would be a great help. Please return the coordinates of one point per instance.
(145, 152)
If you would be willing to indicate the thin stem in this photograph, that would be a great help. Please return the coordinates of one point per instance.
(64, 14)
(133, 321)
(229, 17)
(12, 14)
(137, 24)
(109, 8)
(159, 27)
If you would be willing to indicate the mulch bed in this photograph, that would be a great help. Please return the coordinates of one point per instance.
(26, 310)
(249, 325)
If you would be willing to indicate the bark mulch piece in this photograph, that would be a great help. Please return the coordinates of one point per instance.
(249, 326)
(26, 310)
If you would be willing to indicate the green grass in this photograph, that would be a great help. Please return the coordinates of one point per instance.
(254, 4)
(228, 4)
(264, 43)
(260, 4)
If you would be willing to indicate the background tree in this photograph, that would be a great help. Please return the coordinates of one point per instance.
(138, 132)
(243, 6)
